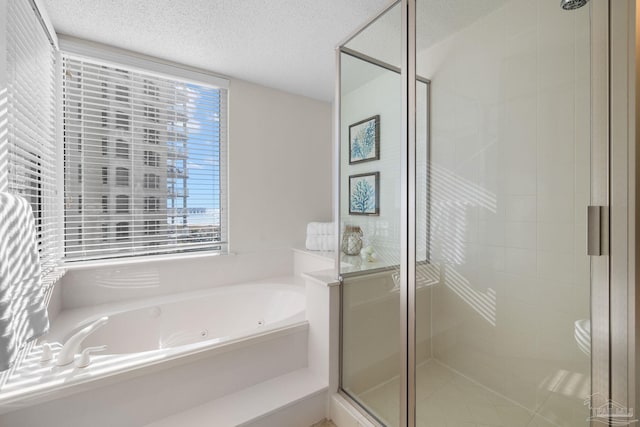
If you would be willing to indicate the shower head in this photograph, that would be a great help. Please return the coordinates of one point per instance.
(572, 4)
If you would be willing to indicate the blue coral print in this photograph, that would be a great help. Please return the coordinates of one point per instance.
(363, 195)
(363, 141)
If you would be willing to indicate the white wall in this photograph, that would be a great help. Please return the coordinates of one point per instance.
(280, 157)
(279, 166)
(510, 149)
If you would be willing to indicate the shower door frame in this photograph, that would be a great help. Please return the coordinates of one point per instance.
(340, 50)
(337, 166)
(614, 161)
(623, 124)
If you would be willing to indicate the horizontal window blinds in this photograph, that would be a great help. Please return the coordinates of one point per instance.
(145, 163)
(32, 148)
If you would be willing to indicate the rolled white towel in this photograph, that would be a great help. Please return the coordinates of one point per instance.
(320, 229)
(320, 243)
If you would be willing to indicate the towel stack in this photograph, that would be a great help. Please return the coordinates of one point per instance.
(320, 236)
(23, 312)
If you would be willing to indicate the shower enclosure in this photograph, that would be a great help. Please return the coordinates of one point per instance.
(470, 146)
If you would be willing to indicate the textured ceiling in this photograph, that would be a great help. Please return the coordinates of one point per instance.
(285, 44)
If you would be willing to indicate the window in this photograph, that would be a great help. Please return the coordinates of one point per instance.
(151, 227)
(122, 149)
(29, 115)
(151, 113)
(105, 204)
(151, 181)
(151, 136)
(150, 89)
(105, 232)
(172, 134)
(122, 204)
(151, 158)
(122, 231)
(122, 121)
(122, 93)
(122, 177)
(151, 204)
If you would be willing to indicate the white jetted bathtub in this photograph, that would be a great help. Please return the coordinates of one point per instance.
(189, 320)
(150, 332)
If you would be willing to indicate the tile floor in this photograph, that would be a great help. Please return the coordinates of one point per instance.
(450, 400)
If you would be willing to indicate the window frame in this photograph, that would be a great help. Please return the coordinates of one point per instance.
(114, 57)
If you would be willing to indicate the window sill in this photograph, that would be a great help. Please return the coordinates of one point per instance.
(81, 265)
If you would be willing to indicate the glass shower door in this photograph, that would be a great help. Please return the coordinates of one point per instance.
(494, 328)
(509, 181)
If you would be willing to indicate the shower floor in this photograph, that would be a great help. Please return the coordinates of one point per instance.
(447, 399)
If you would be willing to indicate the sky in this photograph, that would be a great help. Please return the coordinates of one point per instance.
(203, 148)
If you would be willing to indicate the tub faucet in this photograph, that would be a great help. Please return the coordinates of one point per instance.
(72, 346)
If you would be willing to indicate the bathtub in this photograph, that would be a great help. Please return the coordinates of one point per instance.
(157, 333)
(191, 320)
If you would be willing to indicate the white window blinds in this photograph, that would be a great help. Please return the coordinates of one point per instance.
(145, 162)
(32, 152)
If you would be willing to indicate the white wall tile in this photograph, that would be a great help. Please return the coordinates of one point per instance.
(520, 235)
(521, 208)
(556, 237)
(521, 261)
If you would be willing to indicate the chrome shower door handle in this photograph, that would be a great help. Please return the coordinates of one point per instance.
(597, 230)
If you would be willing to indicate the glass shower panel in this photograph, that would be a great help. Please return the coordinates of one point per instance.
(370, 209)
(371, 297)
(508, 183)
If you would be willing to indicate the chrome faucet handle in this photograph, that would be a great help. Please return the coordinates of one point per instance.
(85, 357)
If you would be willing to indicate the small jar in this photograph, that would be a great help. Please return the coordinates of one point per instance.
(352, 240)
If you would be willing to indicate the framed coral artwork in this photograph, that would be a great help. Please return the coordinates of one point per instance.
(364, 194)
(364, 140)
